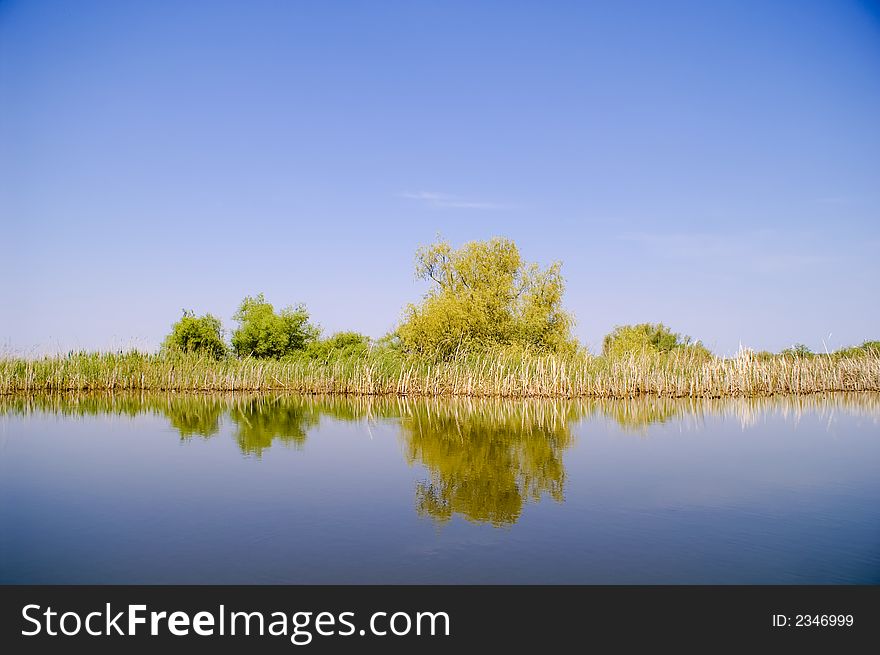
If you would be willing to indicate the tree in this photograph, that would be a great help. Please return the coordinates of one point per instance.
(263, 332)
(482, 295)
(648, 337)
(196, 334)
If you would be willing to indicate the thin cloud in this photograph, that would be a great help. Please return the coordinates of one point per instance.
(446, 201)
(760, 251)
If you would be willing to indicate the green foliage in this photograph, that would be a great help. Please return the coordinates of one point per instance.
(341, 345)
(196, 334)
(390, 343)
(797, 350)
(867, 348)
(484, 295)
(648, 338)
(871, 347)
(263, 332)
(697, 351)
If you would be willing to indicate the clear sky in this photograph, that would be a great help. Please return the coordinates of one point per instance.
(712, 165)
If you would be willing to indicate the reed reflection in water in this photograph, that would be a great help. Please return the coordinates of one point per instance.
(484, 458)
(202, 489)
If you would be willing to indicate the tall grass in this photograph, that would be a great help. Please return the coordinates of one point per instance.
(499, 373)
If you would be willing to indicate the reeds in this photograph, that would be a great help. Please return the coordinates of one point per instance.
(498, 373)
(200, 413)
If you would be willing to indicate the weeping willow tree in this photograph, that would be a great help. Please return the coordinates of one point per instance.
(483, 295)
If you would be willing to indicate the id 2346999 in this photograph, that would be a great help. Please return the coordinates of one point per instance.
(813, 621)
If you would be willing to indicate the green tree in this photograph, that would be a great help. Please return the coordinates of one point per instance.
(482, 295)
(196, 334)
(263, 332)
(648, 337)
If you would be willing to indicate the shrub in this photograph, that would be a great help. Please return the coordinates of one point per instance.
(484, 295)
(646, 337)
(797, 350)
(263, 332)
(867, 348)
(697, 351)
(871, 347)
(196, 334)
(341, 345)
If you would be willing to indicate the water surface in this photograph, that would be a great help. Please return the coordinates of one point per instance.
(287, 489)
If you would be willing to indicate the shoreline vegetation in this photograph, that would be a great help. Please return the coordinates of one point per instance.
(501, 373)
(490, 325)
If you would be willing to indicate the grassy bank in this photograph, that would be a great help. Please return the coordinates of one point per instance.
(502, 373)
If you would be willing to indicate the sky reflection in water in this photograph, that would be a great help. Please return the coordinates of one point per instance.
(188, 488)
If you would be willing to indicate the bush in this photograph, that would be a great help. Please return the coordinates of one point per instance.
(872, 347)
(341, 345)
(196, 334)
(867, 348)
(797, 350)
(262, 332)
(484, 295)
(647, 337)
(696, 351)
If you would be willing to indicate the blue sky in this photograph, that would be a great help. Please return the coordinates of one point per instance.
(711, 165)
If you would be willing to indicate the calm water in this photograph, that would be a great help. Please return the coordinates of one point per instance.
(223, 489)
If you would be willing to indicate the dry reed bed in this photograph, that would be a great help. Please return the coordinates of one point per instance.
(494, 374)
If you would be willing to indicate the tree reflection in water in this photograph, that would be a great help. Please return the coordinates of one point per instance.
(260, 421)
(194, 415)
(484, 459)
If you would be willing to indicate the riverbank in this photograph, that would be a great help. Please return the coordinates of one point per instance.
(495, 374)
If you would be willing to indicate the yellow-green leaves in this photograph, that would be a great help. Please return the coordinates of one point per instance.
(196, 334)
(643, 338)
(484, 295)
(263, 332)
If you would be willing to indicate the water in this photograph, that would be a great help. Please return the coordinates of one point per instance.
(281, 489)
